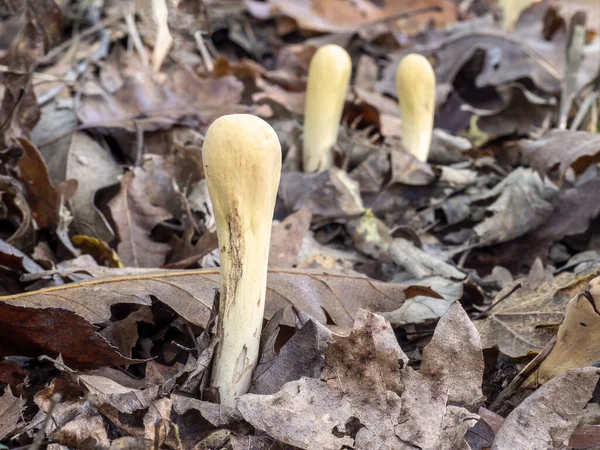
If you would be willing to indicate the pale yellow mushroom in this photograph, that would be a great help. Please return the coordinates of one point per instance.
(242, 164)
(328, 78)
(415, 82)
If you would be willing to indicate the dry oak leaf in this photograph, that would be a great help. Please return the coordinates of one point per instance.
(328, 297)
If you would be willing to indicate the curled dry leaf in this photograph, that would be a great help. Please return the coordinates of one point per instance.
(522, 113)
(301, 356)
(108, 392)
(326, 296)
(421, 309)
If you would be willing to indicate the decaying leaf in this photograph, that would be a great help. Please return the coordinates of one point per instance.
(142, 96)
(287, 237)
(328, 195)
(401, 407)
(421, 309)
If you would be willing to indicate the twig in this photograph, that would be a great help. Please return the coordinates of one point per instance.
(206, 58)
(41, 434)
(135, 36)
(574, 57)
(500, 300)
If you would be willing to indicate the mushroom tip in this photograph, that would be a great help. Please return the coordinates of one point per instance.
(336, 52)
(415, 65)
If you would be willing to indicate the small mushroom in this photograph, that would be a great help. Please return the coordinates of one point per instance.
(415, 82)
(242, 164)
(328, 78)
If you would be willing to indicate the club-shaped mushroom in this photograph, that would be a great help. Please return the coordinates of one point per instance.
(328, 78)
(242, 164)
(415, 82)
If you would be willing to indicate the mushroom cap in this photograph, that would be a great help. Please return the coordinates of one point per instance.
(242, 164)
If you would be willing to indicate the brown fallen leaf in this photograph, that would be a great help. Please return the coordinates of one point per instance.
(301, 356)
(11, 409)
(75, 422)
(105, 391)
(15, 210)
(287, 237)
(16, 260)
(549, 416)
(327, 297)
(123, 334)
(575, 344)
(524, 202)
(155, 103)
(584, 436)
(367, 397)
(80, 157)
(217, 415)
(135, 218)
(53, 331)
(561, 149)
(519, 324)
(45, 198)
(522, 113)
(328, 195)
(340, 16)
(574, 210)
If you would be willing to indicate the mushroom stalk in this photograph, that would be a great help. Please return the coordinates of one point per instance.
(242, 164)
(415, 82)
(328, 78)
